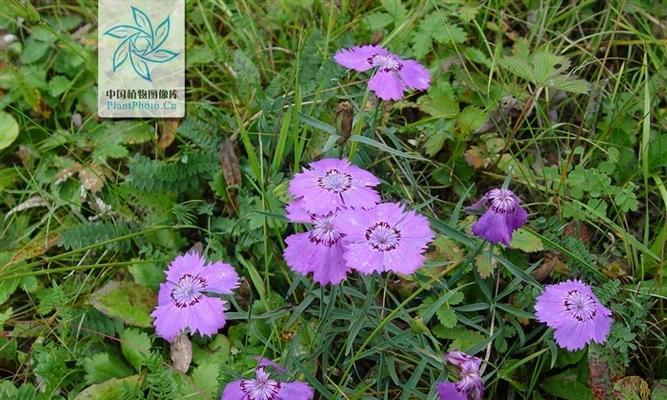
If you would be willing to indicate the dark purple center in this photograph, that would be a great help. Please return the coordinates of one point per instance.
(581, 306)
(386, 63)
(383, 237)
(324, 231)
(502, 201)
(335, 181)
(188, 290)
(260, 388)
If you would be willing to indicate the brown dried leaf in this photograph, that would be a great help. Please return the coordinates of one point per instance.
(181, 353)
(244, 294)
(579, 230)
(474, 157)
(66, 173)
(632, 388)
(168, 129)
(229, 161)
(92, 178)
(344, 118)
(551, 262)
(616, 269)
(485, 265)
(36, 247)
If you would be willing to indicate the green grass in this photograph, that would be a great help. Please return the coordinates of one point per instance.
(585, 148)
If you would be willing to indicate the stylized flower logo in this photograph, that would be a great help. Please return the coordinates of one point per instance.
(141, 44)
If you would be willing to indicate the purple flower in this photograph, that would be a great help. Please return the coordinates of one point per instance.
(265, 388)
(183, 302)
(470, 385)
(384, 238)
(320, 250)
(392, 75)
(575, 313)
(503, 216)
(331, 184)
(449, 391)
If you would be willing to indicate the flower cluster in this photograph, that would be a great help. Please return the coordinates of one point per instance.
(349, 229)
(470, 385)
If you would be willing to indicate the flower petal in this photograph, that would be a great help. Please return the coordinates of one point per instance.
(233, 391)
(447, 391)
(357, 58)
(415, 75)
(296, 390)
(493, 227)
(387, 85)
(220, 278)
(188, 263)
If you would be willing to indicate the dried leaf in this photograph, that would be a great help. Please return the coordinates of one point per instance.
(181, 353)
(485, 265)
(579, 230)
(474, 157)
(92, 178)
(168, 128)
(551, 262)
(230, 163)
(344, 118)
(31, 202)
(632, 388)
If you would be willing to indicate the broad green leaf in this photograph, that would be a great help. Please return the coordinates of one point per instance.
(33, 51)
(102, 366)
(127, 301)
(462, 339)
(147, 274)
(518, 67)
(377, 21)
(205, 379)
(9, 130)
(565, 386)
(544, 68)
(470, 119)
(435, 142)
(111, 389)
(446, 316)
(439, 105)
(135, 346)
(525, 240)
(396, 9)
(659, 390)
(59, 85)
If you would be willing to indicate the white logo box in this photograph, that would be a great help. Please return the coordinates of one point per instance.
(141, 58)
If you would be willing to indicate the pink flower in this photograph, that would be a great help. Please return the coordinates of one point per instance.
(470, 384)
(502, 217)
(318, 251)
(183, 300)
(384, 238)
(332, 184)
(265, 388)
(575, 313)
(392, 77)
